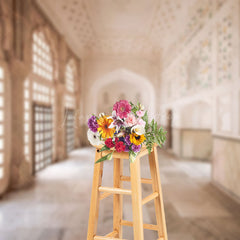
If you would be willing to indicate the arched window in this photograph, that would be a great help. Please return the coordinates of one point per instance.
(27, 117)
(39, 105)
(42, 58)
(70, 105)
(70, 78)
(4, 128)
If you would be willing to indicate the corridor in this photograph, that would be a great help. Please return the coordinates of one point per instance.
(56, 206)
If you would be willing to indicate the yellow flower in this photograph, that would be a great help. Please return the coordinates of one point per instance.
(137, 139)
(103, 129)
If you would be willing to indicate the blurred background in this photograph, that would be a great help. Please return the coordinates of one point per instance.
(61, 61)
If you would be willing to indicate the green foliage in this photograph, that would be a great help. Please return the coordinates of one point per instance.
(153, 133)
(145, 118)
(106, 157)
(132, 156)
(104, 148)
(135, 108)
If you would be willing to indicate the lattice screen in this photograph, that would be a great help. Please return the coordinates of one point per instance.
(43, 139)
(70, 104)
(69, 77)
(42, 58)
(2, 122)
(70, 85)
(70, 130)
(39, 93)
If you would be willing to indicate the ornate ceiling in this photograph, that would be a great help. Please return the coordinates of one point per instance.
(142, 27)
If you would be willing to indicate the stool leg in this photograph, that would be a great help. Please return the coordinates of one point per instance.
(117, 198)
(159, 207)
(94, 206)
(136, 199)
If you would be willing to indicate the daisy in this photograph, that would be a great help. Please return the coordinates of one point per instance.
(104, 127)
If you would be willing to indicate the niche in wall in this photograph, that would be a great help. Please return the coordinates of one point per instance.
(193, 138)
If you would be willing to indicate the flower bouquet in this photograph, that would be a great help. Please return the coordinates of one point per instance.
(126, 130)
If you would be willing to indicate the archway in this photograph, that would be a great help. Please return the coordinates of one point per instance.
(117, 84)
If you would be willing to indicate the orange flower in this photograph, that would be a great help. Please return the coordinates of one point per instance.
(104, 129)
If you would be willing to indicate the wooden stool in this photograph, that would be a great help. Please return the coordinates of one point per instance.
(99, 192)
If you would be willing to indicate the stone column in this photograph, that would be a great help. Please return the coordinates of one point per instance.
(78, 99)
(21, 172)
(60, 127)
(60, 94)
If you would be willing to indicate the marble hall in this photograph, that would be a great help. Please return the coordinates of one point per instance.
(63, 60)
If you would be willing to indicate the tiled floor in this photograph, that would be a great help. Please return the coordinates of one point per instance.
(56, 207)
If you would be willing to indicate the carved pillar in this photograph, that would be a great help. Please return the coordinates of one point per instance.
(21, 172)
(20, 67)
(60, 128)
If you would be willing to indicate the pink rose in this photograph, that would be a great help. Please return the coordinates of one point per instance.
(130, 120)
(140, 113)
(141, 122)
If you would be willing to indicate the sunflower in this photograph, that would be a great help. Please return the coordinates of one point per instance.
(137, 139)
(103, 127)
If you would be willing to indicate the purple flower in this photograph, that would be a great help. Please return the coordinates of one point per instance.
(92, 124)
(126, 148)
(127, 140)
(136, 148)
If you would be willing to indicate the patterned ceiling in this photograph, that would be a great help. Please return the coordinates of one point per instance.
(128, 26)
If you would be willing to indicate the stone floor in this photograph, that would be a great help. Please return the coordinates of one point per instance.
(56, 206)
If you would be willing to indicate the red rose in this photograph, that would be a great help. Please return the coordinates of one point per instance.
(109, 143)
(120, 147)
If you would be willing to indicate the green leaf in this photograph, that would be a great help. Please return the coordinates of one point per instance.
(150, 146)
(147, 125)
(106, 157)
(104, 148)
(132, 105)
(152, 123)
(132, 156)
(145, 117)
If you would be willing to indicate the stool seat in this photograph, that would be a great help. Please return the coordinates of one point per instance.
(100, 192)
(124, 155)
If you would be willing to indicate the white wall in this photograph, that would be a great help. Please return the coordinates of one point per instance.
(202, 86)
(207, 71)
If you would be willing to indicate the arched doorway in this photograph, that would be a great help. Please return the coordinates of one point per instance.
(122, 82)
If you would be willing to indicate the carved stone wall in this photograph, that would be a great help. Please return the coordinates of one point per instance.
(207, 70)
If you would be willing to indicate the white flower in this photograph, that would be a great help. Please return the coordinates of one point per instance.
(114, 114)
(138, 129)
(94, 138)
(101, 114)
